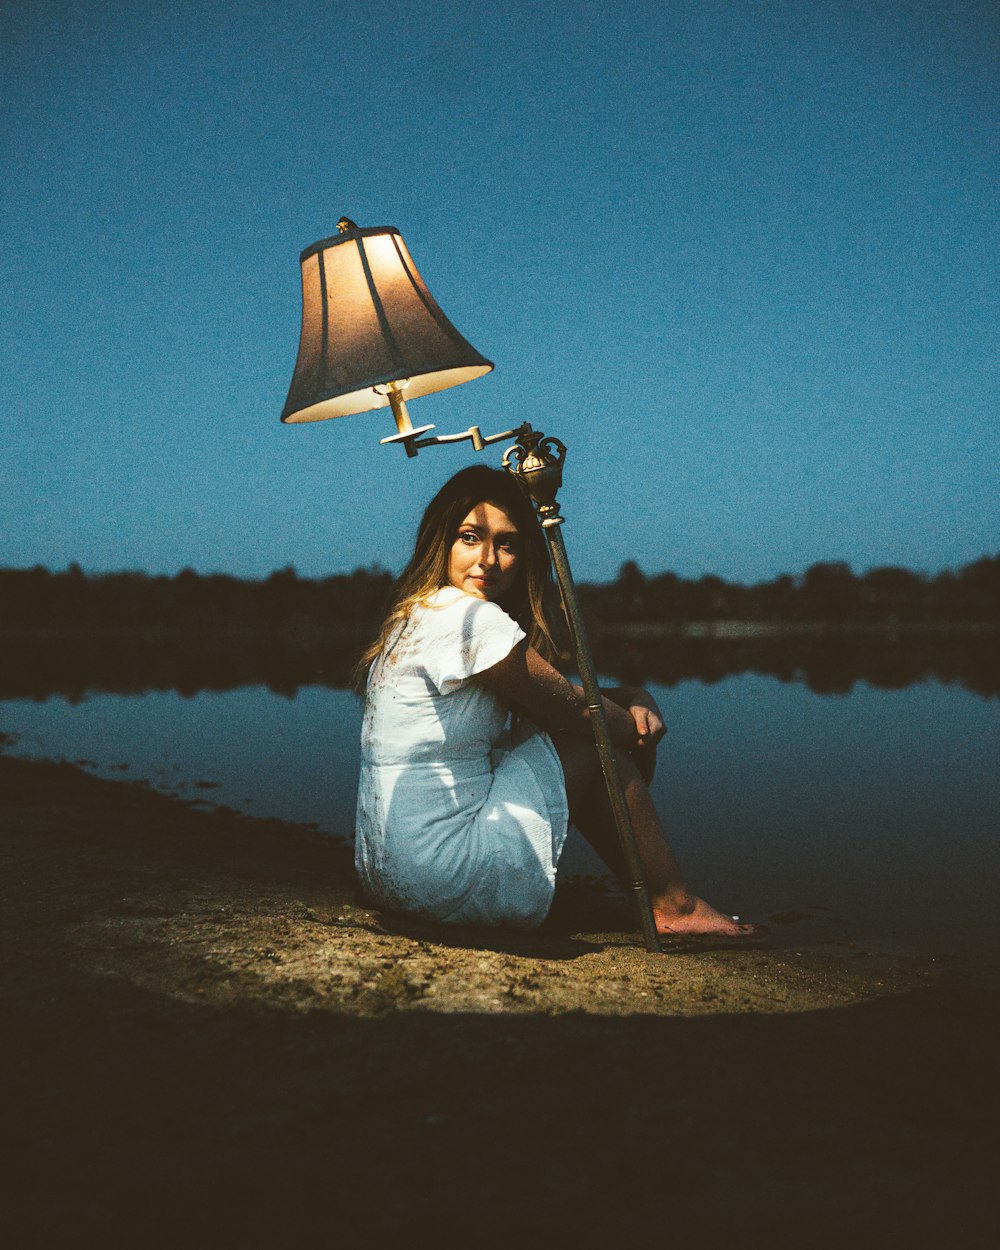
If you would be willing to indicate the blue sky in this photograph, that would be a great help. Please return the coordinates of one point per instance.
(739, 256)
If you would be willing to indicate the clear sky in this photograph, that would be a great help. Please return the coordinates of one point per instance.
(740, 256)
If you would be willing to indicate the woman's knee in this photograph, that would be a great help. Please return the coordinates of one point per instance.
(641, 763)
(582, 766)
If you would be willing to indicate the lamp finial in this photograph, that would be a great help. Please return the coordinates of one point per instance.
(345, 225)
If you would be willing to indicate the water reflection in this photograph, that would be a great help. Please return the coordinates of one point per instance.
(827, 661)
(37, 666)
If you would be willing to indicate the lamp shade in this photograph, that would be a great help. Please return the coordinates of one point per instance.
(368, 320)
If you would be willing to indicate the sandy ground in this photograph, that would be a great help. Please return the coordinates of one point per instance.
(209, 1039)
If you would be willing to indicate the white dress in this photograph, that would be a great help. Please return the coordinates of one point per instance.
(458, 819)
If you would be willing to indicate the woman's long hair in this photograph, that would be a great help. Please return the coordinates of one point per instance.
(530, 600)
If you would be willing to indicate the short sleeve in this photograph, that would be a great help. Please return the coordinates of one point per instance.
(464, 636)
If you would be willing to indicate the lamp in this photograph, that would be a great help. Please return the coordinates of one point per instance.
(373, 336)
(372, 333)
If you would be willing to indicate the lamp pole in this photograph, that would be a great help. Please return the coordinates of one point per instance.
(373, 336)
(537, 460)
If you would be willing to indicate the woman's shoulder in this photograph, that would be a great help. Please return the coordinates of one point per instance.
(453, 608)
(457, 636)
(443, 597)
(447, 637)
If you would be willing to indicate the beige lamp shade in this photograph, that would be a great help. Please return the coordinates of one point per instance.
(368, 320)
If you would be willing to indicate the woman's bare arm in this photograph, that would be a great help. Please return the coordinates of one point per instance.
(529, 683)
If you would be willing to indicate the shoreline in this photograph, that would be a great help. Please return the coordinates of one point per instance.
(807, 962)
(198, 999)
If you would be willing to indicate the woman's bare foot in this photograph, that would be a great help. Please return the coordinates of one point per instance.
(696, 918)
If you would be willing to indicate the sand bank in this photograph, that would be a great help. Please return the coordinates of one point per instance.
(207, 1029)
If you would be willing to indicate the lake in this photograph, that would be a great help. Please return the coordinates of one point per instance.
(868, 819)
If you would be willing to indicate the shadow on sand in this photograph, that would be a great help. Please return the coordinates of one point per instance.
(291, 1102)
(146, 1119)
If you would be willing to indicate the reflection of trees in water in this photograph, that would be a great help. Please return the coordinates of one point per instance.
(75, 664)
(829, 663)
(70, 634)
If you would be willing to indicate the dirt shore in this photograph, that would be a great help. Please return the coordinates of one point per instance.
(209, 1039)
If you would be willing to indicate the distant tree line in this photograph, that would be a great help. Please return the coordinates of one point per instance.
(38, 599)
(828, 592)
(355, 602)
(69, 633)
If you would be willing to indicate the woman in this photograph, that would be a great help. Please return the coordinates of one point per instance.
(461, 817)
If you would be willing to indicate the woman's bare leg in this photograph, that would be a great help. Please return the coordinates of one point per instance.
(675, 908)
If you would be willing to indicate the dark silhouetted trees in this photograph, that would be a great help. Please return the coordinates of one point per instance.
(827, 593)
(37, 599)
(71, 633)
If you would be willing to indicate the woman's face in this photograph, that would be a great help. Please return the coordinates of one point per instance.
(486, 555)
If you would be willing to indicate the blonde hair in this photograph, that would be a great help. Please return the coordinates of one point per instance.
(531, 599)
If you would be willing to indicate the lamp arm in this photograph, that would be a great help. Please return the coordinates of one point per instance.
(412, 440)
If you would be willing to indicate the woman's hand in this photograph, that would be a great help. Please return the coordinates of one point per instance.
(650, 728)
(648, 718)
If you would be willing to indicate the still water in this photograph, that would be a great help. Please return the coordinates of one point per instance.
(875, 812)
